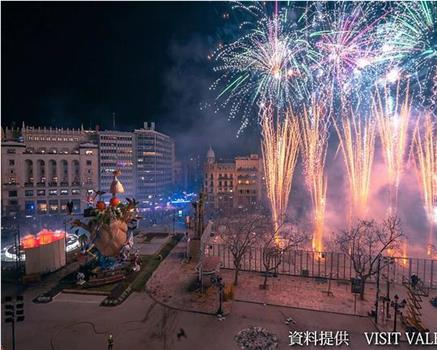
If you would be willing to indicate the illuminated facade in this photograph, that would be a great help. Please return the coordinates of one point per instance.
(154, 165)
(233, 184)
(45, 168)
(116, 153)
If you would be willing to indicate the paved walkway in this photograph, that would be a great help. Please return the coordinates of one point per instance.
(170, 285)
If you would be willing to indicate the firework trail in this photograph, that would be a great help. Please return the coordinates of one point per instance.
(425, 147)
(393, 116)
(280, 145)
(357, 142)
(313, 131)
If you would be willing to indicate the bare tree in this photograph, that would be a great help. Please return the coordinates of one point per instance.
(274, 244)
(366, 242)
(239, 233)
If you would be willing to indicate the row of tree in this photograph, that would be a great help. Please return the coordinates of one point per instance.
(364, 242)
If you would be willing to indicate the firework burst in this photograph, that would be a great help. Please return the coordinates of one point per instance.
(268, 65)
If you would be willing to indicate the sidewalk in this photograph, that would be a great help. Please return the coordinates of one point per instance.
(170, 284)
(171, 281)
(302, 292)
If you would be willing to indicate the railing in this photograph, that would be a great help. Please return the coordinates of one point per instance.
(330, 265)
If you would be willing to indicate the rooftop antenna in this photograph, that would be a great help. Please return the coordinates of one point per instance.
(113, 120)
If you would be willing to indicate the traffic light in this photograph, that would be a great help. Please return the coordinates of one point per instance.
(14, 309)
(9, 313)
(19, 308)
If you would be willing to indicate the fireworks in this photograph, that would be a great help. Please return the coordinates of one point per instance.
(280, 144)
(313, 131)
(357, 142)
(425, 146)
(265, 66)
(393, 118)
(287, 55)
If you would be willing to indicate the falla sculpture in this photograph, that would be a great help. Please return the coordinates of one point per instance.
(108, 225)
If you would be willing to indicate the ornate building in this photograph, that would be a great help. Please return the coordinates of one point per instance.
(45, 168)
(233, 184)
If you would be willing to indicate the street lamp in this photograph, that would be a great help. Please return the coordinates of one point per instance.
(396, 305)
(218, 281)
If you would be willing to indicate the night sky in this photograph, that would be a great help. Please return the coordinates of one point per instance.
(64, 64)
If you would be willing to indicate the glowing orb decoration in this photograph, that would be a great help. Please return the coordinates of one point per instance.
(44, 237)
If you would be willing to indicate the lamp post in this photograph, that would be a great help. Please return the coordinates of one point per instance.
(219, 283)
(396, 305)
(377, 290)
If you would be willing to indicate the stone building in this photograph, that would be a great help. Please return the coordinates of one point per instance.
(44, 168)
(233, 184)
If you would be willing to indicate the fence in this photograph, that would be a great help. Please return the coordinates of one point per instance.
(332, 265)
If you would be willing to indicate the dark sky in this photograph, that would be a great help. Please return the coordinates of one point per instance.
(64, 64)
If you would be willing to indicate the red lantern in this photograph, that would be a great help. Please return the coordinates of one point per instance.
(114, 201)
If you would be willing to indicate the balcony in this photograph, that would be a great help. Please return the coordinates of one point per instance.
(64, 183)
(75, 183)
(29, 184)
(53, 184)
(41, 184)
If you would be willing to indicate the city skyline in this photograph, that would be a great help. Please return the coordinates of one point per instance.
(85, 78)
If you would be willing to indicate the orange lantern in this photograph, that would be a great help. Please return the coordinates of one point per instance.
(45, 237)
(29, 241)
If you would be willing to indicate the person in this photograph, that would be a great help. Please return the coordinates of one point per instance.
(110, 342)
(181, 334)
(414, 281)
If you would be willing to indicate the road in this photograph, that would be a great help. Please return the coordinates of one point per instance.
(77, 322)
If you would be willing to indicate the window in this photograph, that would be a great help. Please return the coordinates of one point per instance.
(41, 192)
(28, 193)
(12, 193)
(13, 202)
(89, 153)
(11, 151)
(53, 192)
(75, 192)
(42, 207)
(11, 162)
(64, 192)
(88, 162)
(53, 206)
(29, 207)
